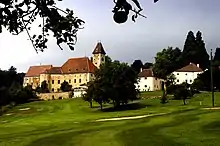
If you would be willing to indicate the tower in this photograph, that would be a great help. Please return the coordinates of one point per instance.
(98, 55)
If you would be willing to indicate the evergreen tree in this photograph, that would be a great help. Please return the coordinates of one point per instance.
(194, 50)
(203, 57)
(189, 49)
(216, 58)
(137, 65)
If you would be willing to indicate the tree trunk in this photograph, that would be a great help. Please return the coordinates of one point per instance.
(184, 101)
(101, 105)
(114, 104)
(90, 102)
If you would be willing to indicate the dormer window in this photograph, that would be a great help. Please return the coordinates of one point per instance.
(84, 69)
(77, 69)
(69, 70)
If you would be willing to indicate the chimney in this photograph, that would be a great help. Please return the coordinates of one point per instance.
(91, 59)
(197, 65)
(141, 69)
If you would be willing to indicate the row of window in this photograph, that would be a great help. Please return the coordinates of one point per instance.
(146, 78)
(58, 81)
(186, 81)
(185, 74)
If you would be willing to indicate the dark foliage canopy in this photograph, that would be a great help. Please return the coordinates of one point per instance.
(194, 50)
(114, 82)
(17, 15)
(167, 61)
(11, 88)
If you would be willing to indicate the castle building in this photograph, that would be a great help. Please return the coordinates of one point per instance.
(76, 71)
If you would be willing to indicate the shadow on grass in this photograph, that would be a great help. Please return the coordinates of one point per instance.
(130, 106)
(212, 128)
(151, 134)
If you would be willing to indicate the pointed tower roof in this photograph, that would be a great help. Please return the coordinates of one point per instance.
(99, 49)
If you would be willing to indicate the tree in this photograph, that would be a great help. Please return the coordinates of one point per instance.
(182, 92)
(194, 50)
(147, 65)
(167, 61)
(203, 81)
(11, 88)
(89, 95)
(203, 59)
(189, 52)
(17, 16)
(114, 82)
(216, 59)
(137, 65)
(44, 87)
(65, 87)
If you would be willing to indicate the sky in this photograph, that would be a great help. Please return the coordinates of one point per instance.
(167, 24)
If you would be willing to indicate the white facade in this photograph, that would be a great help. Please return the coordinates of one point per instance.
(188, 77)
(148, 84)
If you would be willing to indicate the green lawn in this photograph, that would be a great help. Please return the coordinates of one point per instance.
(71, 122)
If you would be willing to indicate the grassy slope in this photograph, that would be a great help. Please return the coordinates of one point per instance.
(53, 123)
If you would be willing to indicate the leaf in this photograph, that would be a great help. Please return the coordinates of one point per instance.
(71, 48)
(40, 37)
(133, 18)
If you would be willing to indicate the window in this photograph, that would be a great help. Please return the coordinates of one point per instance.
(69, 70)
(58, 81)
(52, 89)
(145, 78)
(52, 81)
(145, 86)
(186, 81)
(177, 73)
(74, 80)
(186, 74)
(103, 59)
(79, 80)
(58, 90)
(190, 80)
(69, 81)
(177, 80)
(156, 78)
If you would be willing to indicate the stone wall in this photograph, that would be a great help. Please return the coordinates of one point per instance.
(52, 96)
(60, 95)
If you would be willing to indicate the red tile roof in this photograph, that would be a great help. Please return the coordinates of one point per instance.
(78, 65)
(146, 73)
(37, 70)
(54, 70)
(190, 68)
(99, 49)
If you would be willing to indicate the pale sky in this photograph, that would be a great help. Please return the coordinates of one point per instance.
(167, 24)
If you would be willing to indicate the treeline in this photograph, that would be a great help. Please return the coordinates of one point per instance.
(172, 58)
(12, 91)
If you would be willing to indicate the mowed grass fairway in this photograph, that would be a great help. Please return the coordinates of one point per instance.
(72, 123)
